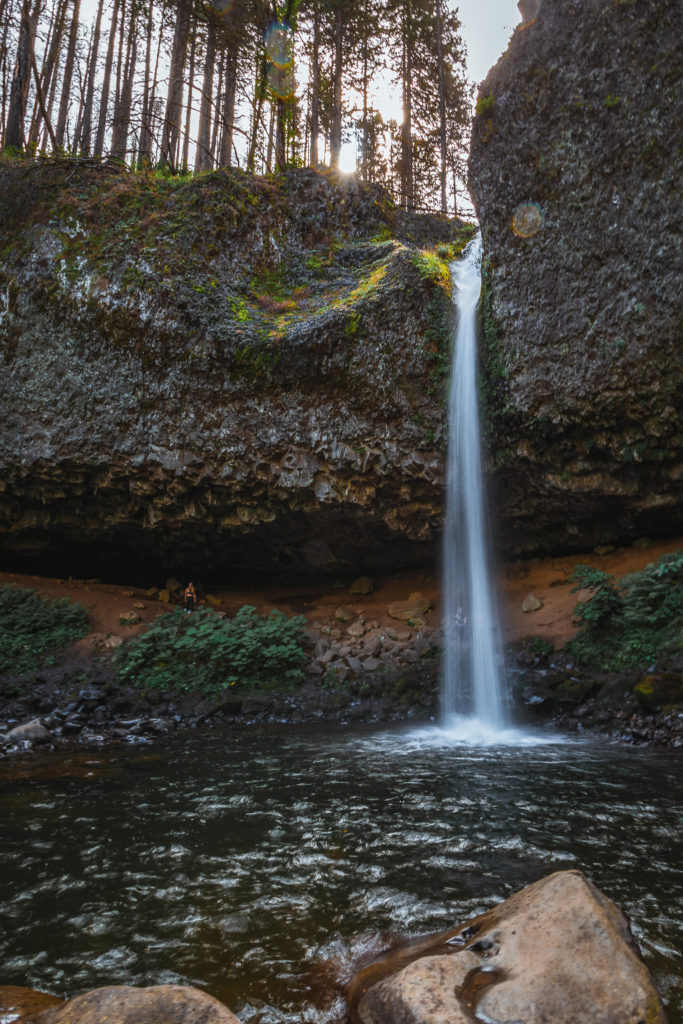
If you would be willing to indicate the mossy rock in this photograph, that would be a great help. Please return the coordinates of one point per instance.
(664, 688)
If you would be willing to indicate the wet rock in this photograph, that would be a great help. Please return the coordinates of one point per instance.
(558, 951)
(363, 585)
(357, 629)
(32, 733)
(160, 1004)
(531, 603)
(24, 1005)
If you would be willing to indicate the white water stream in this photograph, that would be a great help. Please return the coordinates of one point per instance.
(473, 692)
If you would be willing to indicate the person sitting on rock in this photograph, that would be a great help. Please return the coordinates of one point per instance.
(190, 598)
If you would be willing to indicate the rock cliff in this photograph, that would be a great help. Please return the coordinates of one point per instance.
(221, 375)
(575, 171)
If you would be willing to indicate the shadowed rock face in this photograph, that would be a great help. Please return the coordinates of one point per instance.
(574, 169)
(222, 376)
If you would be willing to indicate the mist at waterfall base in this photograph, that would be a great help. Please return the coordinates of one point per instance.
(474, 705)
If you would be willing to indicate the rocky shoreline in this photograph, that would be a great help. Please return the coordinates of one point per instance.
(357, 673)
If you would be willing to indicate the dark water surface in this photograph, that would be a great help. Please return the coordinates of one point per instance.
(258, 865)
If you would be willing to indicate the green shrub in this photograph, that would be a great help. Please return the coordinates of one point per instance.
(630, 623)
(208, 653)
(542, 647)
(31, 627)
(485, 105)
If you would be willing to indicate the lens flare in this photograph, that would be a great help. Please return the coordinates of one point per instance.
(527, 220)
(280, 45)
(221, 7)
(281, 82)
(529, 10)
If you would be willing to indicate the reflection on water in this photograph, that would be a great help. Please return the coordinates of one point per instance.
(259, 865)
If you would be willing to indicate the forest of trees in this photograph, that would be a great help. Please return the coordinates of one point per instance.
(191, 85)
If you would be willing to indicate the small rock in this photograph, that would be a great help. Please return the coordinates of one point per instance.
(110, 642)
(129, 619)
(139, 605)
(357, 629)
(128, 593)
(416, 606)
(370, 664)
(33, 732)
(213, 600)
(152, 593)
(344, 614)
(531, 603)
(604, 549)
(363, 585)
(164, 595)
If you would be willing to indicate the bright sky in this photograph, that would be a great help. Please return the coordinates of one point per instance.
(486, 28)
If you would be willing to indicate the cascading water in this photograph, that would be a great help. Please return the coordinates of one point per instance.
(473, 679)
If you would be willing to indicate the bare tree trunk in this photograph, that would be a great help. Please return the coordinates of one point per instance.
(225, 157)
(106, 84)
(68, 74)
(114, 145)
(259, 95)
(39, 98)
(119, 142)
(336, 126)
(34, 130)
(82, 71)
(271, 133)
(364, 142)
(442, 108)
(407, 186)
(190, 94)
(172, 117)
(217, 109)
(145, 148)
(155, 80)
(14, 132)
(86, 129)
(203, 155)
(315, 88)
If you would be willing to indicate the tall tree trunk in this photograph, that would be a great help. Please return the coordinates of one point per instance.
(155, 80)
(259, 96)
(83, 143)
(271, 139)
(315, 88)
(82, 71)
(39, 97)
(190, 95)
(52, 78)
(14, 131)
(203, 155)
(442, 108)
(364, 137)
(225, 156)
(407, 185)
(114, 145)
(217, 109)
(119, 142)
(145, 148)
(68, 74)
(106, 84)
(336, 126)
(34, 130)
(172, 117)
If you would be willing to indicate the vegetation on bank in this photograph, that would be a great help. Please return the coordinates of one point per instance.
(631, 622)
(208, 653)
(33, 627)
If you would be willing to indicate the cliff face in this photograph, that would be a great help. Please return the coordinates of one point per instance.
(217, 376)
(575, 171)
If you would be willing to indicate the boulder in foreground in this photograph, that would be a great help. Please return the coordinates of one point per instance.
(160, 1004)
(558, 952)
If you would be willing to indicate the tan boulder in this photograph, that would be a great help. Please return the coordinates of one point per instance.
(160, 1004)
(33, 732)
(416, 607)
(363, 585)
(531, 603)
(558, 951)
(344, 614)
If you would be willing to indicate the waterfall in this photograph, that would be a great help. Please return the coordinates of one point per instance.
(473, 678)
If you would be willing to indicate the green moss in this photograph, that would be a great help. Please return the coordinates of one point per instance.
(493, 381)
(485, 105)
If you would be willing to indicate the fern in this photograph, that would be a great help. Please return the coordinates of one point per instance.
(31, 627)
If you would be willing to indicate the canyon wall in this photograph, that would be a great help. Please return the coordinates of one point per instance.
(575, 171)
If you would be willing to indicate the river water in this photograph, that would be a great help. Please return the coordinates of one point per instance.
(260, 865)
